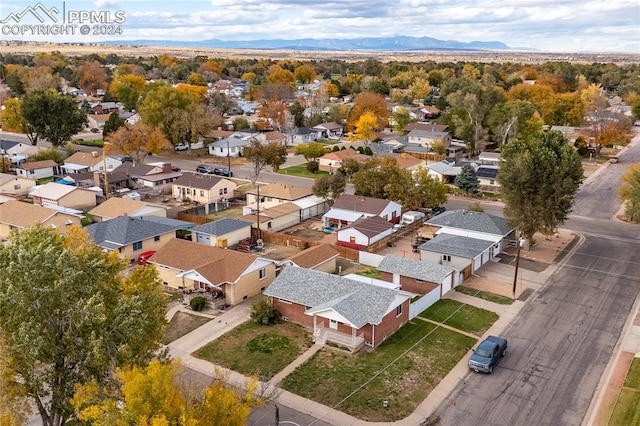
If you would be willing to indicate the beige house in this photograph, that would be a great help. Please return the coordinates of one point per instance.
(89, 162)
(114, 207)
(37, 169)
(21, 215)
(204, 189)
(221, 276)
(15, 186)
(58, 195)
(225, 232)
(132, 236)
(275, 194)
(321, 258)
(332, 161)
(276, 218)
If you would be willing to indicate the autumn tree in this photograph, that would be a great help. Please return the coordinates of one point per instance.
(91, 77)
(69, 315)
(563, 109)
(304, 73)
(272, 154)
(372, 103)
(539, 178)
(127, 89)
(53, 116)
(630, 193)
(365, 128)
(137, 141)
(155, 395)
(511, 119)
(467, 180)
(12, 120)
(281, 76)
(329, 187)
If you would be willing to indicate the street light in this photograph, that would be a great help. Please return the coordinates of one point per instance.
(104, 166)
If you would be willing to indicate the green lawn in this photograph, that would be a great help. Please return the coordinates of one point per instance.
(495, 298)
(460, 316)
(181, 324)
(371, 273)
(301, 171)
(358, 383)
(627, 409)
(257, 350)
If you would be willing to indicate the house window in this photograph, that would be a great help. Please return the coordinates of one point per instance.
(202, 192)
(398, 310)
(16, 186)
(220, 149)
(394, 214)
(137, 246)
(268, 225)
(418, 280)
(492, 182)
(446, 258)
(352, 239)
(223, 191)
(156, 238)
(31, 172)
(262, 273)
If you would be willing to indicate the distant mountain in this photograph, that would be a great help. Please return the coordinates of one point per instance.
(397, 43)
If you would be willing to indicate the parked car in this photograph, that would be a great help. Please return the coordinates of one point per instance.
(126, 159)
(181, 147)
(204, 168)
(222, 171)
(176, 169)
(614, 160)
(487, 354)
(143, 259)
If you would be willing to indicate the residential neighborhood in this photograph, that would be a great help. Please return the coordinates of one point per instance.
(366, 232)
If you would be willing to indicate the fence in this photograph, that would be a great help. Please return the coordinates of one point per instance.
(369, 259)
(420, 305)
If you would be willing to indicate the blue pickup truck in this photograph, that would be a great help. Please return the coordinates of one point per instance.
(487, 354)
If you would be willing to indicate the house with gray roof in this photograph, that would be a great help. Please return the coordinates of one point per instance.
(348, 208)
(416, 276)
(364, 232)
(228, 147)
(465, 254)
(347, 312)
(226, 232)
(131, 236)
(473, 224)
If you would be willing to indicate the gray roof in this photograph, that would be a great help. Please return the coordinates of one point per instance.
(472, 221)
(443, 168)
(419, 269)
(456, 245)
(359, 303)
(231, 142)
(361, 203)
(221, 226)
(125, 230)
(197, 180)
(176, 223)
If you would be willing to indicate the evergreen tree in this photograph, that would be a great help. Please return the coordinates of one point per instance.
(467, 180)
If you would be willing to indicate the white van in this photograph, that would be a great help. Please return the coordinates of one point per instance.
(411, 216)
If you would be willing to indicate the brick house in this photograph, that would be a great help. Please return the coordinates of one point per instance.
(337, 309)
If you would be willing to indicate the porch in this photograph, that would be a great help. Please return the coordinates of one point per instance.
(353, 342)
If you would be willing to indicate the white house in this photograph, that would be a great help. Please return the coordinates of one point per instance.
(348, 208)
(37, 169)
(228, 147)
(364, 232)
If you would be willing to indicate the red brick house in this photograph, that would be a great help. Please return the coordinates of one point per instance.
(347, 312)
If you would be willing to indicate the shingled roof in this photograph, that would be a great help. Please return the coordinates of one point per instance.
(359, 303)
(360, 203)
(313, 256)
(221, 226)
(456, 245)
(472, 221)
(125, 230)
(418, 269)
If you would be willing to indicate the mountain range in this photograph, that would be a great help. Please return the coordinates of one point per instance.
(397, 43)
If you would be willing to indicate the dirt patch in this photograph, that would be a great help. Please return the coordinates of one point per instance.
(307, 234)
(278, 252)
(183, 323)
(545, 249)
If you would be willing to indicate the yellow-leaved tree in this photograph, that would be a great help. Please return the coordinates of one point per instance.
(154, 395)
(366, 127)
(137, 141)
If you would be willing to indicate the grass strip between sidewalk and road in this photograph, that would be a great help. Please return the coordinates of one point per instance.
(627, 409)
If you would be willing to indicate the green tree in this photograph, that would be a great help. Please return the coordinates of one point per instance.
(69, 315)
(53, 116)
(113, 123)
(467, 180)
(310, 151)
(402, 118)
(240, 123)
(539, 178)
(329, 187)
(630, 193)
(273, 154)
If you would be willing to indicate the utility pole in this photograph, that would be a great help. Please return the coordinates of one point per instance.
(228, 156)
(258, 213)
(515, 275)
(104, 166)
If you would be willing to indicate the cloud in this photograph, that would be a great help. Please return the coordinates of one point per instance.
(106, 4)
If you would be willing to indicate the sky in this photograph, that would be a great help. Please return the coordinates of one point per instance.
(545, 25)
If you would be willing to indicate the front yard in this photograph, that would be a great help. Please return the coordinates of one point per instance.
(460, 316)
(403, 371)
(257, 350)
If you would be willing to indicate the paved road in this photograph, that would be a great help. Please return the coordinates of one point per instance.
(559, 345)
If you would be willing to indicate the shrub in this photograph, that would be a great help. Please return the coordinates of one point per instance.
(313, 167)
(368, 151)
(197, 303)
(263, 312)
